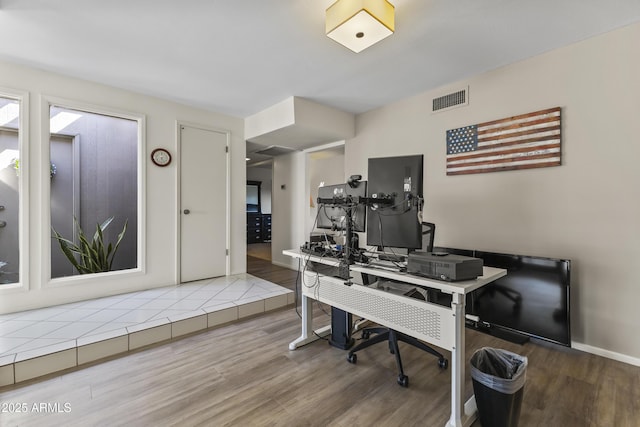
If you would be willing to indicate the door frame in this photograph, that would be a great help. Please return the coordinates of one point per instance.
(178, 247)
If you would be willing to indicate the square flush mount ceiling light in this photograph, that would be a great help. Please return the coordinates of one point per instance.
(358, 24)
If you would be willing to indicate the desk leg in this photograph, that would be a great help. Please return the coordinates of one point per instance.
(308, 335)
(460, 416)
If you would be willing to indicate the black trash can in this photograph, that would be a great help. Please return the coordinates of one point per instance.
(498, 383)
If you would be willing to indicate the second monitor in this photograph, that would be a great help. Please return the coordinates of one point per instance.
(395, 225)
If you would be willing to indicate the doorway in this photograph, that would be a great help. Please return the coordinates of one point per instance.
(259, 213)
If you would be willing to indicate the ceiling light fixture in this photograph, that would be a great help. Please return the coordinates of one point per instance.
(358, 24)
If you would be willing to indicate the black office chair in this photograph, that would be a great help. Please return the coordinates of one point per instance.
(392, 336)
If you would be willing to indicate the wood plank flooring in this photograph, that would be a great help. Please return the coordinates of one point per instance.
(244, 375)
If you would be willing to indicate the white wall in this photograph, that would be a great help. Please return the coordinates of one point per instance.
(161, 186)
(290, 203)
(327, 169)
(587, 210)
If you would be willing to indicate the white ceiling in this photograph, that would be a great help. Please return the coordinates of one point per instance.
(241, 56)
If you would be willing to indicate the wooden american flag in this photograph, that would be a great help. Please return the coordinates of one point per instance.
(520, 142)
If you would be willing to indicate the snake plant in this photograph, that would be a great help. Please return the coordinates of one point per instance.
(90, 256)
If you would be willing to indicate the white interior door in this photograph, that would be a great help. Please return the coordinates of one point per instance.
(203, 203)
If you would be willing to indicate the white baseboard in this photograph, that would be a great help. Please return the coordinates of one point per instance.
(606, 353)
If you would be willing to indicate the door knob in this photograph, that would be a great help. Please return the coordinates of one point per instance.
(186, 211)
(3, 224)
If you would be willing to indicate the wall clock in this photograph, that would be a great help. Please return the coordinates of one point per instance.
(160, 157)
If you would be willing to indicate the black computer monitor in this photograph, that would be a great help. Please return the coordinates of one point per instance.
(394, 224)
(333, 215)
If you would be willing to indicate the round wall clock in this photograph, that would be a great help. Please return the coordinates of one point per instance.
(160, 157)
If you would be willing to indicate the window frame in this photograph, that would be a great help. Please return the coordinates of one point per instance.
(45, 220)
(22, 97)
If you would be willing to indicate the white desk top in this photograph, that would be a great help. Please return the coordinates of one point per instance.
(463, 287)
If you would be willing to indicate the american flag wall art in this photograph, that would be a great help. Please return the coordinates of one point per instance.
(520, 142)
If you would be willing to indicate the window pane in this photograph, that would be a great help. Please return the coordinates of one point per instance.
(9, 191)
(93, 175)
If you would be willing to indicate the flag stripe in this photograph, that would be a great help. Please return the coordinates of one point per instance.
(535, 149)
(523, 116)
(495, 160)
(518, 125)
(514, 166)
(519, 142)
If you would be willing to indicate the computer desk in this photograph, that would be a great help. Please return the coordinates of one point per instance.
(432, 323)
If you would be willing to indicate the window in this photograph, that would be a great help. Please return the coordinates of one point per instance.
(10, 194)
(94, 179)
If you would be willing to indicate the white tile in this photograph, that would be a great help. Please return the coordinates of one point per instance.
(257, 292)
(186, 315)
(106, 315)
(8, 344)
(240, 286)
(213, 287)
(151, 293)
(110, 328)
(203, 295)
(129, 303)
(7, 360)
(11, 326)
(249, 299)
(165, 314)
(73, 315)
(147, 325)
(158, 304)
(187, 305)
(219, 305)
(43, 351)
(92, 337)
(230, 295)
(74, 330)
(41, 314)
(38, 344)
(44, 365)
(103, 302)
(36, 330)
(178, 293)
(137, 316)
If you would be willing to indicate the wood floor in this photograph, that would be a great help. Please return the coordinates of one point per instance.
(244, 375)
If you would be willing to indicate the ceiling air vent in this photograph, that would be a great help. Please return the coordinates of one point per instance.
(275, 150)
(451, 100)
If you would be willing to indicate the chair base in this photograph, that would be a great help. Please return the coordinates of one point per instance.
(392, 336)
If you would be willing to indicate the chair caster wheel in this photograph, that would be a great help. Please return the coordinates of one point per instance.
(352, 358)
(443, 363)
(366, 335)
(403, 380)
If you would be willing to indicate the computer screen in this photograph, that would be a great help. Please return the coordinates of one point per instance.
(395, 224)
(333, 215)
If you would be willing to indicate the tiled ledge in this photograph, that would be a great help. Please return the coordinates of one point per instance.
(15, 368)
